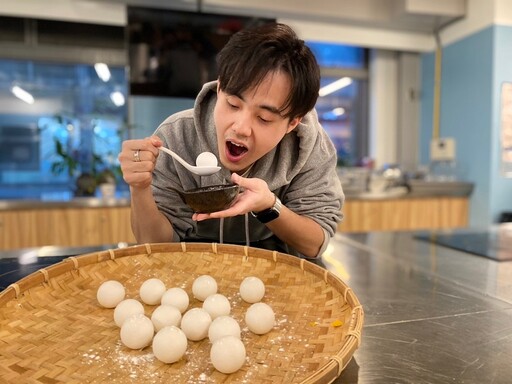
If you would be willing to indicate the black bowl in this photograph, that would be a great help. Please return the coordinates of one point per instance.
(212, 198)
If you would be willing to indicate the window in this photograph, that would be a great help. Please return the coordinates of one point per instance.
(342, 105)
(58, 118)
(57, 121)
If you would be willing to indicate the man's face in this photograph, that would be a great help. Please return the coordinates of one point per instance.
(250, 125)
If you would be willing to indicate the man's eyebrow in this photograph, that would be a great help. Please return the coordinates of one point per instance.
(269, 108)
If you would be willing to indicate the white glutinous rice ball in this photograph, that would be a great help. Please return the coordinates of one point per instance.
(125, 309)
(137, 331)
(260, 318)
(228, 354)
(165, 315)
(206, 159)
(252, 289)
(169, 344)
(176, 297)
(151, 291)
(217, 305)
(110, 293)
(204, 286)
(195, 323)
(223, 326)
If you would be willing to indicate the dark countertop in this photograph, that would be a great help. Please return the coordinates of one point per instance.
(432, 314)
(16, 264)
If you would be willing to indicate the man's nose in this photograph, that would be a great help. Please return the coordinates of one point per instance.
(242, 125)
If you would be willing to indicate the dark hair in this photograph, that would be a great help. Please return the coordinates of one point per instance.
(253, 53)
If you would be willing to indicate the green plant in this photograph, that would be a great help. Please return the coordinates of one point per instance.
(66, 161)
(98, 171)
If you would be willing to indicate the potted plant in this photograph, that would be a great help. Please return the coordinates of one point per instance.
(87, 178)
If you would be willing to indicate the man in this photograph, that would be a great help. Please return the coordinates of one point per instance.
(259, 120)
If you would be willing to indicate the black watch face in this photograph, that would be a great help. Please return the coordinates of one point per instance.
(269, 215)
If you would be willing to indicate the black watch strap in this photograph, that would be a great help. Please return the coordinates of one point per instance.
(270, 214)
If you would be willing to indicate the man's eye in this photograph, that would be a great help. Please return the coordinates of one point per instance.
(232, 105)
(264, 120)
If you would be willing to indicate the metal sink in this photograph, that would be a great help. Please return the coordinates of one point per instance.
(417, 188)
(440, 188)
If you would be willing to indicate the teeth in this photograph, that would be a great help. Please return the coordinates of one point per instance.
(238, 145)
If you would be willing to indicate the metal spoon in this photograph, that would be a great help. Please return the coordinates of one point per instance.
(204, 168)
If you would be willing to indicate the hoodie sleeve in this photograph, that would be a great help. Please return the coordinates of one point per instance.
(317, 193)
(316, 190)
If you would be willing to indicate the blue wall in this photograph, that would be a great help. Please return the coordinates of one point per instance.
(501, 186)
(473, 70)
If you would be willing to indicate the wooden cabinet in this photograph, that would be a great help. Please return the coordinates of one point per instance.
(92, 226)
(404, 214)
(64, 227)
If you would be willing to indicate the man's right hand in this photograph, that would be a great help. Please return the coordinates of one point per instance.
(138, 159)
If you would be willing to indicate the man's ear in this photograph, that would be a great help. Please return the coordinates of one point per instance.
(293, 123)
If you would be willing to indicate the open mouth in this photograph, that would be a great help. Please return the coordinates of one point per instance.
(236, 151)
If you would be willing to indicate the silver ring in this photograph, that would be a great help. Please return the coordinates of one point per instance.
(136, 156)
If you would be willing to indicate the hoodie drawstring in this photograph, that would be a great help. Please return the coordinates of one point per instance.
(247, 240)
(221, 230)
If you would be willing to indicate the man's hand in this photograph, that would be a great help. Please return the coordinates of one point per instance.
(254, 196)
(138, 159)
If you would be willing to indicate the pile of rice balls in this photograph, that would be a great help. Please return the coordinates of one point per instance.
(173, 324)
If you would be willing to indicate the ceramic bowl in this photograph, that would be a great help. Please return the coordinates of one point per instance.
(212, 198)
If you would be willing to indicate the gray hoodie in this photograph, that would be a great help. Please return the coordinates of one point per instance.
(300, 170)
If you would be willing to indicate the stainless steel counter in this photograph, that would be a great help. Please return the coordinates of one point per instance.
(432, 314)
(123, 199)
(78, 202)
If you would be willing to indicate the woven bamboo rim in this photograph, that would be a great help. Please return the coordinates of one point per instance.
(52, 329)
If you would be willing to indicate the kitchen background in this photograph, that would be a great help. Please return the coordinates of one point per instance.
(386, 115)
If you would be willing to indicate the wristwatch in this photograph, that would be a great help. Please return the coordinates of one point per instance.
(269, 214)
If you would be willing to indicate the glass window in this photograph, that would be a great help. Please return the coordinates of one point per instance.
(342, 105)
(338, 55)
(57, 122)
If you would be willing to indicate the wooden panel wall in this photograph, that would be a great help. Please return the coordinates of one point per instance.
(97, 226)
(65, 227)
(405, 214)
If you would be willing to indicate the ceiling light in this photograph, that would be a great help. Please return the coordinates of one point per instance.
(333, 114)
(338, 111)
(117, 98)
(21, 94)
(335, 86)
(102, 71)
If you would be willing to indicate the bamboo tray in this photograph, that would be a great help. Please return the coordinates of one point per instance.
(52, 329)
